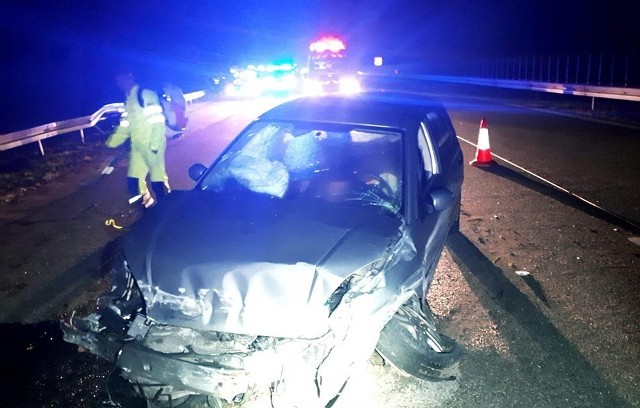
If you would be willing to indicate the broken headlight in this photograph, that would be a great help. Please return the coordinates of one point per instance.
(363, 280)
(123, 301)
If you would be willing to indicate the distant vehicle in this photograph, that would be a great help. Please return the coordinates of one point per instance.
(218, 82)
(280, 79)
(311, 241)
(258, 80)
(328, 68)
(244, 83)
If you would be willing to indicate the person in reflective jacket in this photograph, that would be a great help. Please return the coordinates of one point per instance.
(144, 123)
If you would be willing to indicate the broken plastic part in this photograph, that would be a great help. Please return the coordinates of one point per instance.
(139, 327)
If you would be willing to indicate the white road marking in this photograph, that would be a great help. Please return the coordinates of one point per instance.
(552, 184)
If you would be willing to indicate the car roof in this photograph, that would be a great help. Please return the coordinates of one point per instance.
(384, 109)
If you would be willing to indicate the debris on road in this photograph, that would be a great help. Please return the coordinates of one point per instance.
(111, 222)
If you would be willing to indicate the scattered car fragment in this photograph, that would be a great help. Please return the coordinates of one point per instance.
(309, 243)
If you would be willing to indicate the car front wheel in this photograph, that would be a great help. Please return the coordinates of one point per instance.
(411, 344)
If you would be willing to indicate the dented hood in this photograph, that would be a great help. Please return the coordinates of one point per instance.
(251, 263)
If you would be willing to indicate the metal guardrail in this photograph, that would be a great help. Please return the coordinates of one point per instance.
(619, 70)
(592, 91)
(39, 133)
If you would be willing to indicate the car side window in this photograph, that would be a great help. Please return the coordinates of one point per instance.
(427, 150)
(443, 133)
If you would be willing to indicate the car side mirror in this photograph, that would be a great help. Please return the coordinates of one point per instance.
(441, 199)
(196, 171)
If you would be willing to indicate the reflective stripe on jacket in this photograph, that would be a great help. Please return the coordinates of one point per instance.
(145, 125)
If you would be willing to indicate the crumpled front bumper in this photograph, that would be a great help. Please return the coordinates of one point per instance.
(225, 376)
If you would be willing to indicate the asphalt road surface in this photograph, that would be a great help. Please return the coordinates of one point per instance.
(540, 287)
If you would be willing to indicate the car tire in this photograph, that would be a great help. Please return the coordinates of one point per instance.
(333, 400)
(403, 344)
(455, 227)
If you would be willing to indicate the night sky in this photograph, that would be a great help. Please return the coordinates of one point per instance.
(46, 41)
(255, 29)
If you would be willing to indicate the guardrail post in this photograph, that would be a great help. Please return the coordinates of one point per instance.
(41, 148)
(626, 72)
(613, 59)
(533, 68)
(600, 68)
(82, 135)
(541, 67)
(578, 69)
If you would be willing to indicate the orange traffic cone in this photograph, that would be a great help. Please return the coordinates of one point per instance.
(483, 150)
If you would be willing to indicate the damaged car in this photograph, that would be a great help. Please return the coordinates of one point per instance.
(309, 244)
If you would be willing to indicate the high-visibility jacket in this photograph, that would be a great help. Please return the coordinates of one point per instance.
(145, 125)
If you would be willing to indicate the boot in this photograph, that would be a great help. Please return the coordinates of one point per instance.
(133, 187)
(159, 189)
(147, 199)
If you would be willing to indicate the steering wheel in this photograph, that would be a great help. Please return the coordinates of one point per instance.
(376, 181)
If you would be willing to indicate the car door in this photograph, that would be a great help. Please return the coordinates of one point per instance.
(437, 202)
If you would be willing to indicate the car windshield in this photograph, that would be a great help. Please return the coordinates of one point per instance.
(301, 161)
